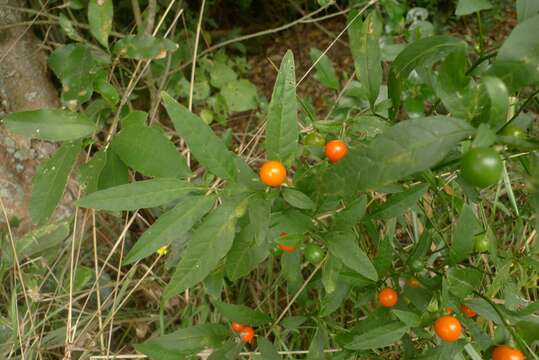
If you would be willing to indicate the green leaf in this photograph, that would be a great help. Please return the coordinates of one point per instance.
(171, 225)
(291, 268)
(260, 217)
(345, 248)
(50, 124)
(407, 148)
(463, 282)
(244, 256)
(291, 221)
(298, 199)
(148, 151)
(114, 172)
(457, 91)
(183, 342)
(39, 240)
(526, 9)
(324, 70)
(333, 300)
(364, 44)
(318, 343)
(69, 29)
(282, 128)
(421, 53)
(381, 336)
(143, 46)
(421, 248)
(484, 136)
(100, 14)
(138, 195)
(529, 329)
(91, 172)
(210, 242)
(518, 58)
(384, 258)
(408, 317)
(240, 95)
(463, 243)
(221, 74)
(330, 273)
(242, 314)
(351, 215)
(229, 351)
(498, 100)
(106, 90)
(267, 349)
(399, 203)
(467, 7)
(206, 147)
(77, 66)
(50, 181)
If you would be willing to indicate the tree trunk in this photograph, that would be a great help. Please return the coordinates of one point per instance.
(24, 85)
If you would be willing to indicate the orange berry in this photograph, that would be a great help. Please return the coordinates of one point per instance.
(388, 297)
(286, 248)
(237, 327)
(247, 334)
(414, 283)
(272, 173)
(504, 352)
(448, 328)
(467, 311)
(335, 150)
(449, 310)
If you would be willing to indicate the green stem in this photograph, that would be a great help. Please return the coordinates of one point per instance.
(480, 60)
(481, 40)
(522, 107)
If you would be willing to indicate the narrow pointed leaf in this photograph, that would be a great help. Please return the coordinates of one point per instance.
(282, 128)
(50, 124)
(378, 337)
(364, 44)
(171, 225)
(207, 148)
(184, 342)
(50, 181)
(462, 244)
(100, 14)
(345, 248)
(407, 148)
(242, 314)
(421, 53)
(325, 71)
(210, 242)
(138, 195)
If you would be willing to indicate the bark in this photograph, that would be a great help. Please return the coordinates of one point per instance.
(25, 84)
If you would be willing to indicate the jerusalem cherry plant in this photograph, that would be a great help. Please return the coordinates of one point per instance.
(376, 228)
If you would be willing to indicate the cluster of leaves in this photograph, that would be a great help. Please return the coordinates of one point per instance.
(224, 224)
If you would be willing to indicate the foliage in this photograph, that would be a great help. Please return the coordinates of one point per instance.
(157, 164)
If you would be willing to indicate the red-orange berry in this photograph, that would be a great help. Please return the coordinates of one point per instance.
(388, 297)
(414, 283)
(286, 248)
(448, 328)
(237, 327)
(504, 352)
(335, 150)
(247, 334)
(272, 173)
(467, 311)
